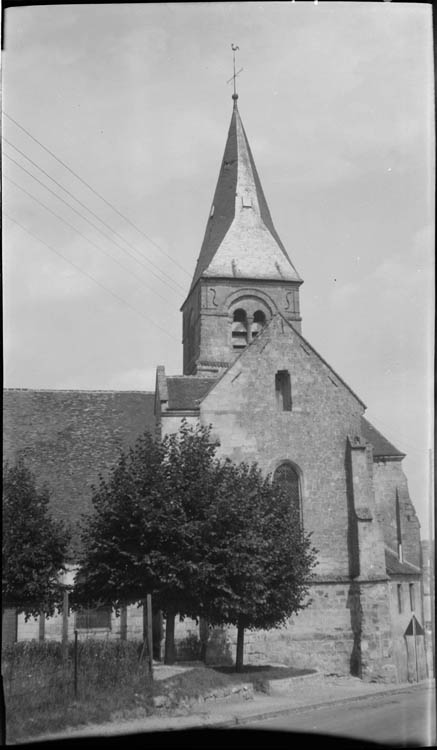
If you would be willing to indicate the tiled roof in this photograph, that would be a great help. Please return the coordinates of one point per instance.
(397, 568)
(186, 391)
(381, 446)
(240, 239)
(68, 437)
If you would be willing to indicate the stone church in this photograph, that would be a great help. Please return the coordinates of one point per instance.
(271, 398)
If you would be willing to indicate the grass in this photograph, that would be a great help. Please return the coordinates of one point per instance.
(39, 685)
(112, 684)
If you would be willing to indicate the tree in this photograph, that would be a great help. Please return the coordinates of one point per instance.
(205, 538)
(34, 546)
(257, 560)
(144, 534)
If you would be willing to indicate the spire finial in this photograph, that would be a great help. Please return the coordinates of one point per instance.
(234, 95)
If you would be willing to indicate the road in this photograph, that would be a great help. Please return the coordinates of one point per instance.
(396, 719)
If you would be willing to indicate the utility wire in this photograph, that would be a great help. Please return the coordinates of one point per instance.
(114, 231)
(92, 223)
(149, 239)
(61, 218)
(90, 276)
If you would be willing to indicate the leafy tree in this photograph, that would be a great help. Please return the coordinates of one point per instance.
(34, 546)
(143, 536)
(257, 558)
(205, 538)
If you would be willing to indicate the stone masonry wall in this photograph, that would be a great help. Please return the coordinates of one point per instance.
(373, 653)
(243, 410)
(389, 477)
(405, 650)
(319, 637)
(206, 319)
(30, 630)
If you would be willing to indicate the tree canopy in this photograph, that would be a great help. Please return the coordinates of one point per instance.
(143, 535)
(205, 537)
(34, 546)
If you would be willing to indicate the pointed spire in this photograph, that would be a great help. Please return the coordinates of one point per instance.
(240, 239)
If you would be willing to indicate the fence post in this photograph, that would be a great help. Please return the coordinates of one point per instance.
(75, 664)
(149, 633)
(65, 624)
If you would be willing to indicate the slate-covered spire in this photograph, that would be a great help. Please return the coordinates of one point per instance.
(240, 239)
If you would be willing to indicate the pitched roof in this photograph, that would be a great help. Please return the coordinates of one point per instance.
(382, 448)
(68, 437)
(240, 239)
(395, 567)
(185, 391)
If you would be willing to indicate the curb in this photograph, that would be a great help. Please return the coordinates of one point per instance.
(271, 714)
(222, 721)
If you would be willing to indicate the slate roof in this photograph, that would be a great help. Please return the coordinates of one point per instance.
(185, 391)
(68, 437)
(382, 448)
(397, 568)
(240, 239)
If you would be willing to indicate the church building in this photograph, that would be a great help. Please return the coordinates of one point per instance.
(249, 371)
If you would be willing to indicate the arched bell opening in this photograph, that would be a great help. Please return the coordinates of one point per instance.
(239, 329)
(259, 321)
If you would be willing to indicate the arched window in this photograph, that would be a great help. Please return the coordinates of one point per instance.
(288, 479)
(239, 329)
(259, 320)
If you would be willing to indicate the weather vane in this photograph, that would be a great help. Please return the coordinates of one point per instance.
(234, 49)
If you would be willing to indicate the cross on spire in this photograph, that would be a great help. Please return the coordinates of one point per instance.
(234, 95)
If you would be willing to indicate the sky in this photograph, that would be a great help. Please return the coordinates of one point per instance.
(127, 107)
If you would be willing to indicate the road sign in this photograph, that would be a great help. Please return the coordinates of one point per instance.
(414, 627)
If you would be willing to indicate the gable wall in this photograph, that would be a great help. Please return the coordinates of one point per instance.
(242, 408)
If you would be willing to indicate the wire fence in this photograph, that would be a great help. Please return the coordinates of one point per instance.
(51, 673)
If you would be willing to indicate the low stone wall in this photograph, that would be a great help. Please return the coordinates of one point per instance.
(238, 692)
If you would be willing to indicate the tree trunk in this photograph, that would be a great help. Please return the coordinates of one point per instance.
(203, 637)
(170, 655)
(157, 634)
(240, 647)
(123, 622)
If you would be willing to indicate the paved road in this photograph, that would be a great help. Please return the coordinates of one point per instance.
(397, 719)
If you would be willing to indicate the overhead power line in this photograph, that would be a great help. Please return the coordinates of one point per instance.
(114, 231)
(61, 218)
(84, 182)
(91, 223)
(90, 276)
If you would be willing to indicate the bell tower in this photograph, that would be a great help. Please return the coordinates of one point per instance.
(243, 274)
